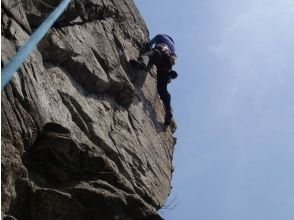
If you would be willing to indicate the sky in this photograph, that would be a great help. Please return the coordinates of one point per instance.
(234, 106)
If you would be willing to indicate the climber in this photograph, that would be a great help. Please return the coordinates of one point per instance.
(163, 56)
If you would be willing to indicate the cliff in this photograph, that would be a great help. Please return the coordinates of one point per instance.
(82, 134)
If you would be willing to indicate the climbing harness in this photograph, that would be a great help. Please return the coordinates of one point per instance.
(9, 70)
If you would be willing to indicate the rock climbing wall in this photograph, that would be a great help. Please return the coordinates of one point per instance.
(82, 134)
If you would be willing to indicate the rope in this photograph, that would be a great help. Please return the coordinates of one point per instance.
(9, 70)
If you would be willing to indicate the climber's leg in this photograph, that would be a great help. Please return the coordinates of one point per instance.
(166, 100)
(146, 59)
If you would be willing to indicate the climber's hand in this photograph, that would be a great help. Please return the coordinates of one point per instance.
(173, 74)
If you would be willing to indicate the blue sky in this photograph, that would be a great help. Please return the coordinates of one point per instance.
(234, 105)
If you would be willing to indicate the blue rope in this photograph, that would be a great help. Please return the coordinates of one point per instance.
(9, 70)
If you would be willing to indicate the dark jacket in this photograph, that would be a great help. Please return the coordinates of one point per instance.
(164, 68)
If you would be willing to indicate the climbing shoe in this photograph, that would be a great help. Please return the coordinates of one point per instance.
(140, 65)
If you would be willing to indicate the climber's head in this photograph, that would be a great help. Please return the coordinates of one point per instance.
(172, 58)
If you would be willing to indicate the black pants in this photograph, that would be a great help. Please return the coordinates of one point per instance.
(152, 57)
(164, 95)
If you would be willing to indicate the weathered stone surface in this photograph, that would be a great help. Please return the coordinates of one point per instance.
(82, 134)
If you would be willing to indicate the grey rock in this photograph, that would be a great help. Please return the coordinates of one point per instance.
(82, 134)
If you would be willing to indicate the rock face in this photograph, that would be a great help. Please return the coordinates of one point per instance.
(82, 134)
